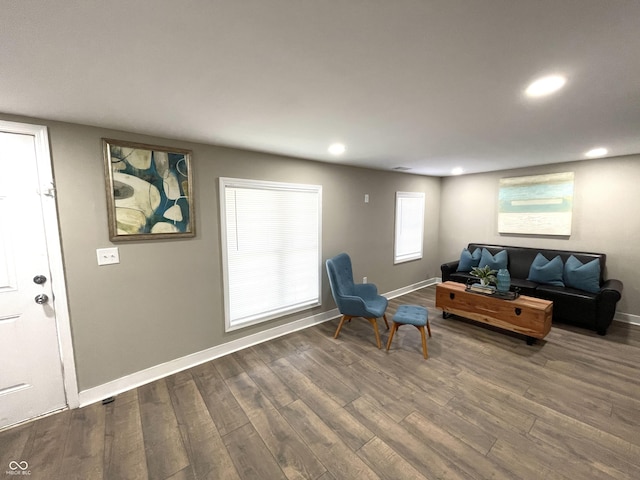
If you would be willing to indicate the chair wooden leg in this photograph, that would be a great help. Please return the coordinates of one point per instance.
(428, 328)
(374, 322)
(424, 342)
(394, 327)
(342, 322)
(384, 315)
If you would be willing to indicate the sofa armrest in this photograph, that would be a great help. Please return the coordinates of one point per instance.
(448, 268)
(613, 288)
(610, 293)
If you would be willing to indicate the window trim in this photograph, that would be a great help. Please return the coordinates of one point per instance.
(415, 255)
(226, 182)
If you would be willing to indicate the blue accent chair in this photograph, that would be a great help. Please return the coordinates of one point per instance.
(354, 300)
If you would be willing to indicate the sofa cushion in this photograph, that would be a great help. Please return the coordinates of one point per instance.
(496, 262)
(547, 272)
(463, 277)
(583, 276)
(525, 287)
(571, 305)
(469, 260)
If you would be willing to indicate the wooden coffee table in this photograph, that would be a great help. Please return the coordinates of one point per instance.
(526, 315)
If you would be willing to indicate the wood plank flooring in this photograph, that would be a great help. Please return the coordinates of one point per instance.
(305, 406)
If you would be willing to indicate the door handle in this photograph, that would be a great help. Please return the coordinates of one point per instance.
(41, 299)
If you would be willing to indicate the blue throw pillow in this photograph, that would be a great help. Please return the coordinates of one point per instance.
(582, 276)
(548, 272)
(496, 262)
(469, 260)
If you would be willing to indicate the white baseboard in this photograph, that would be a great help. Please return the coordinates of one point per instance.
(410, 288)
(627, 318)
(128, 382)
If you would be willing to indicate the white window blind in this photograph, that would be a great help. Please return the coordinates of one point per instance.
(409, 226)
(271, 237)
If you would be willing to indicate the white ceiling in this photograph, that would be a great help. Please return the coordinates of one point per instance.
(425, 84)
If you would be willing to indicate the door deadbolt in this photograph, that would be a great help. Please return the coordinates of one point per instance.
(39, 279)
(41, 299)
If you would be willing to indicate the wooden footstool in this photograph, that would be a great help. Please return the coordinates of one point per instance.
(411, 315)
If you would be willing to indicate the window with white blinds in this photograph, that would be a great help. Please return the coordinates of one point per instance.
(409, 226)
(271, 238)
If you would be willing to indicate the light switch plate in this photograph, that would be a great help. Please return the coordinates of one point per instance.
(108, 256)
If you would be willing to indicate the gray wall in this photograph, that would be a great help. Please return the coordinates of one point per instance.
(164, 300)
(606, 216)
(126, 318)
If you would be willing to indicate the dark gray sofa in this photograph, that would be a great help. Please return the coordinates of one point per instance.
(594, 311)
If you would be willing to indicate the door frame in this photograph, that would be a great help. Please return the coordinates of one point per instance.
(54, 252)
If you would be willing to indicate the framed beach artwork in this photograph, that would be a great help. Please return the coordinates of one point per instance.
(536, 204)
(149, 191)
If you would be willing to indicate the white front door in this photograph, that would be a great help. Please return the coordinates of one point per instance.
(31, 381)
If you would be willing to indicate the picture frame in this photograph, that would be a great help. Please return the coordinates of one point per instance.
(536, 204)
(149, 191)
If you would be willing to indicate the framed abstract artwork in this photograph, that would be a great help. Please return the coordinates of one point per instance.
(536, 204)
(149, 191)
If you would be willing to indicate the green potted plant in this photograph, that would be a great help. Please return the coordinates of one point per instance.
(486, 275)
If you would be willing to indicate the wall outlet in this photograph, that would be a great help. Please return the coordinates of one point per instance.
(364, 279)
(108, 256)
(366, 198)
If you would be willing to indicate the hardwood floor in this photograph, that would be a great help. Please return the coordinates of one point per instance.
(484, 405)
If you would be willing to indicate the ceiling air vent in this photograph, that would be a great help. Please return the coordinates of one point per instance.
(401, 169)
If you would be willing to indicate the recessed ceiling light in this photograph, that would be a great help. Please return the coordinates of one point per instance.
(457, 171)
(545, 86)
(596, 152)
(337, 149)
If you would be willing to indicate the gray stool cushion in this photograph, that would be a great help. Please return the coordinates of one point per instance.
(411, 315)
